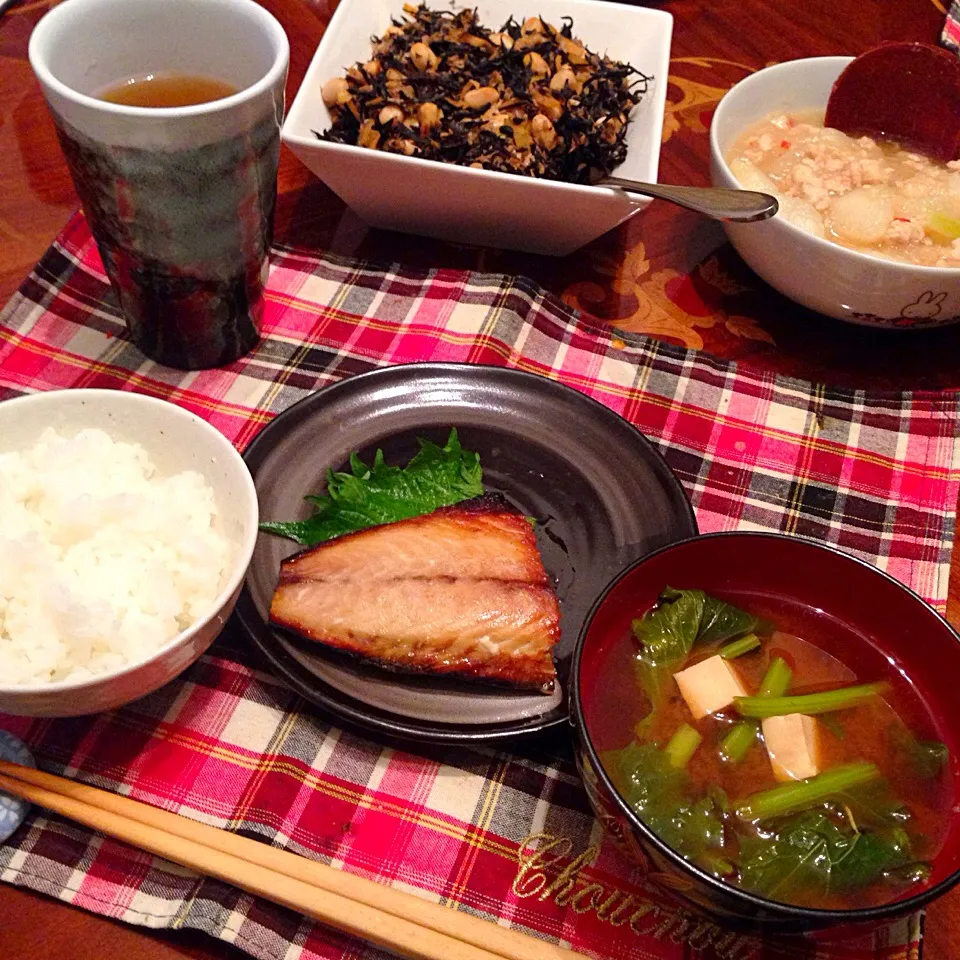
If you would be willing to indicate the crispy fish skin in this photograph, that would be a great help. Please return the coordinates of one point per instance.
(461, 591)
(482, 538)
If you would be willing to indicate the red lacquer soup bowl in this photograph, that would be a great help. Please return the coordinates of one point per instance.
(848, 608)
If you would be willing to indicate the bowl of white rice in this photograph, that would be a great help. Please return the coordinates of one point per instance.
(126, 527)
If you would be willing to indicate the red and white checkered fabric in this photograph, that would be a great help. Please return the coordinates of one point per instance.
(874, 473)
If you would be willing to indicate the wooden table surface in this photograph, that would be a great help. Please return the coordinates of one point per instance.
(666, 273)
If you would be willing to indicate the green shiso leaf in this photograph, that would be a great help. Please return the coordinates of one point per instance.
(368, 496)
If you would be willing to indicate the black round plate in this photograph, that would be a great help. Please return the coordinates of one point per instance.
(601, 493)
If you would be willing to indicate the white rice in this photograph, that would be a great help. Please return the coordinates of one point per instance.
(102, 561)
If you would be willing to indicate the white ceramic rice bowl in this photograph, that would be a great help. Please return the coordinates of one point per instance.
(824, 276)
(175, 440)
(484, 207)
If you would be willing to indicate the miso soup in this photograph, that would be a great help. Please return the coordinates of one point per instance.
(767, 761)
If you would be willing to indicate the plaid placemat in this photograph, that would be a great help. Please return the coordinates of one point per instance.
(950, 35)
(505, 836)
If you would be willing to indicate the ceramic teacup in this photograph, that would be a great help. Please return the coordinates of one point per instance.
(180, 199)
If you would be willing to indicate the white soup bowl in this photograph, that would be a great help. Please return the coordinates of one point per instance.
(825, 276)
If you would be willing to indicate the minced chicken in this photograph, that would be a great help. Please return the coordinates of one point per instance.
(878, 198)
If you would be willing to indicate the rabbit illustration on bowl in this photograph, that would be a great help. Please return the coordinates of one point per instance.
(927, 306)
(925, 311)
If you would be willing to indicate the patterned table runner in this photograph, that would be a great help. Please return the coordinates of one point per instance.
(506, 836)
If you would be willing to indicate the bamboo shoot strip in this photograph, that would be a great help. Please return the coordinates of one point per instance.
(802, 794)
(682, 746)
(737, 648)
(741, 736)
(809, 703)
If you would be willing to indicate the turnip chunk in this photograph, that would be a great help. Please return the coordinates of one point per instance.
(803, 215)
(709, 686)
(793, 744)
(751, 177)
(793, 209)
(862, 215)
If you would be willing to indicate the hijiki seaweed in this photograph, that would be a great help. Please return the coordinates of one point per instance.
(527, 99)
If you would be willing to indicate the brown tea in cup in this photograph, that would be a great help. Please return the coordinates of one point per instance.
(168, 90)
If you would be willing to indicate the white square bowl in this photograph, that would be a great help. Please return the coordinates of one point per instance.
(468, 205)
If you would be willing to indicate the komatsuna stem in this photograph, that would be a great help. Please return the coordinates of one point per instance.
(740, 737)
(803, 794)
(682, 746)
(737, 648)
(809, 703)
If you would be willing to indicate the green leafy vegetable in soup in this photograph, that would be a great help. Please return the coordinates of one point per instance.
(818, 852)
(666, 634)
(927, 757)
(663, 795)
(368, 496)
(754, 756)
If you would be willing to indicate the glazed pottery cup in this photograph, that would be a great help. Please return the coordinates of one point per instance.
(180, 199)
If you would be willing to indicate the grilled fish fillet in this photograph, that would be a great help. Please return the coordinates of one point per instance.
(460, 591)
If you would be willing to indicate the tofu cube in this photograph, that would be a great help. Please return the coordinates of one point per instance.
(709, 686)
(793, 743)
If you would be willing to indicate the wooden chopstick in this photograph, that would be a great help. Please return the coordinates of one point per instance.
(379, 928)
(389, 918)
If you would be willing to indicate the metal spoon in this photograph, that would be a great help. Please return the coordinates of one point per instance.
(719, 203)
